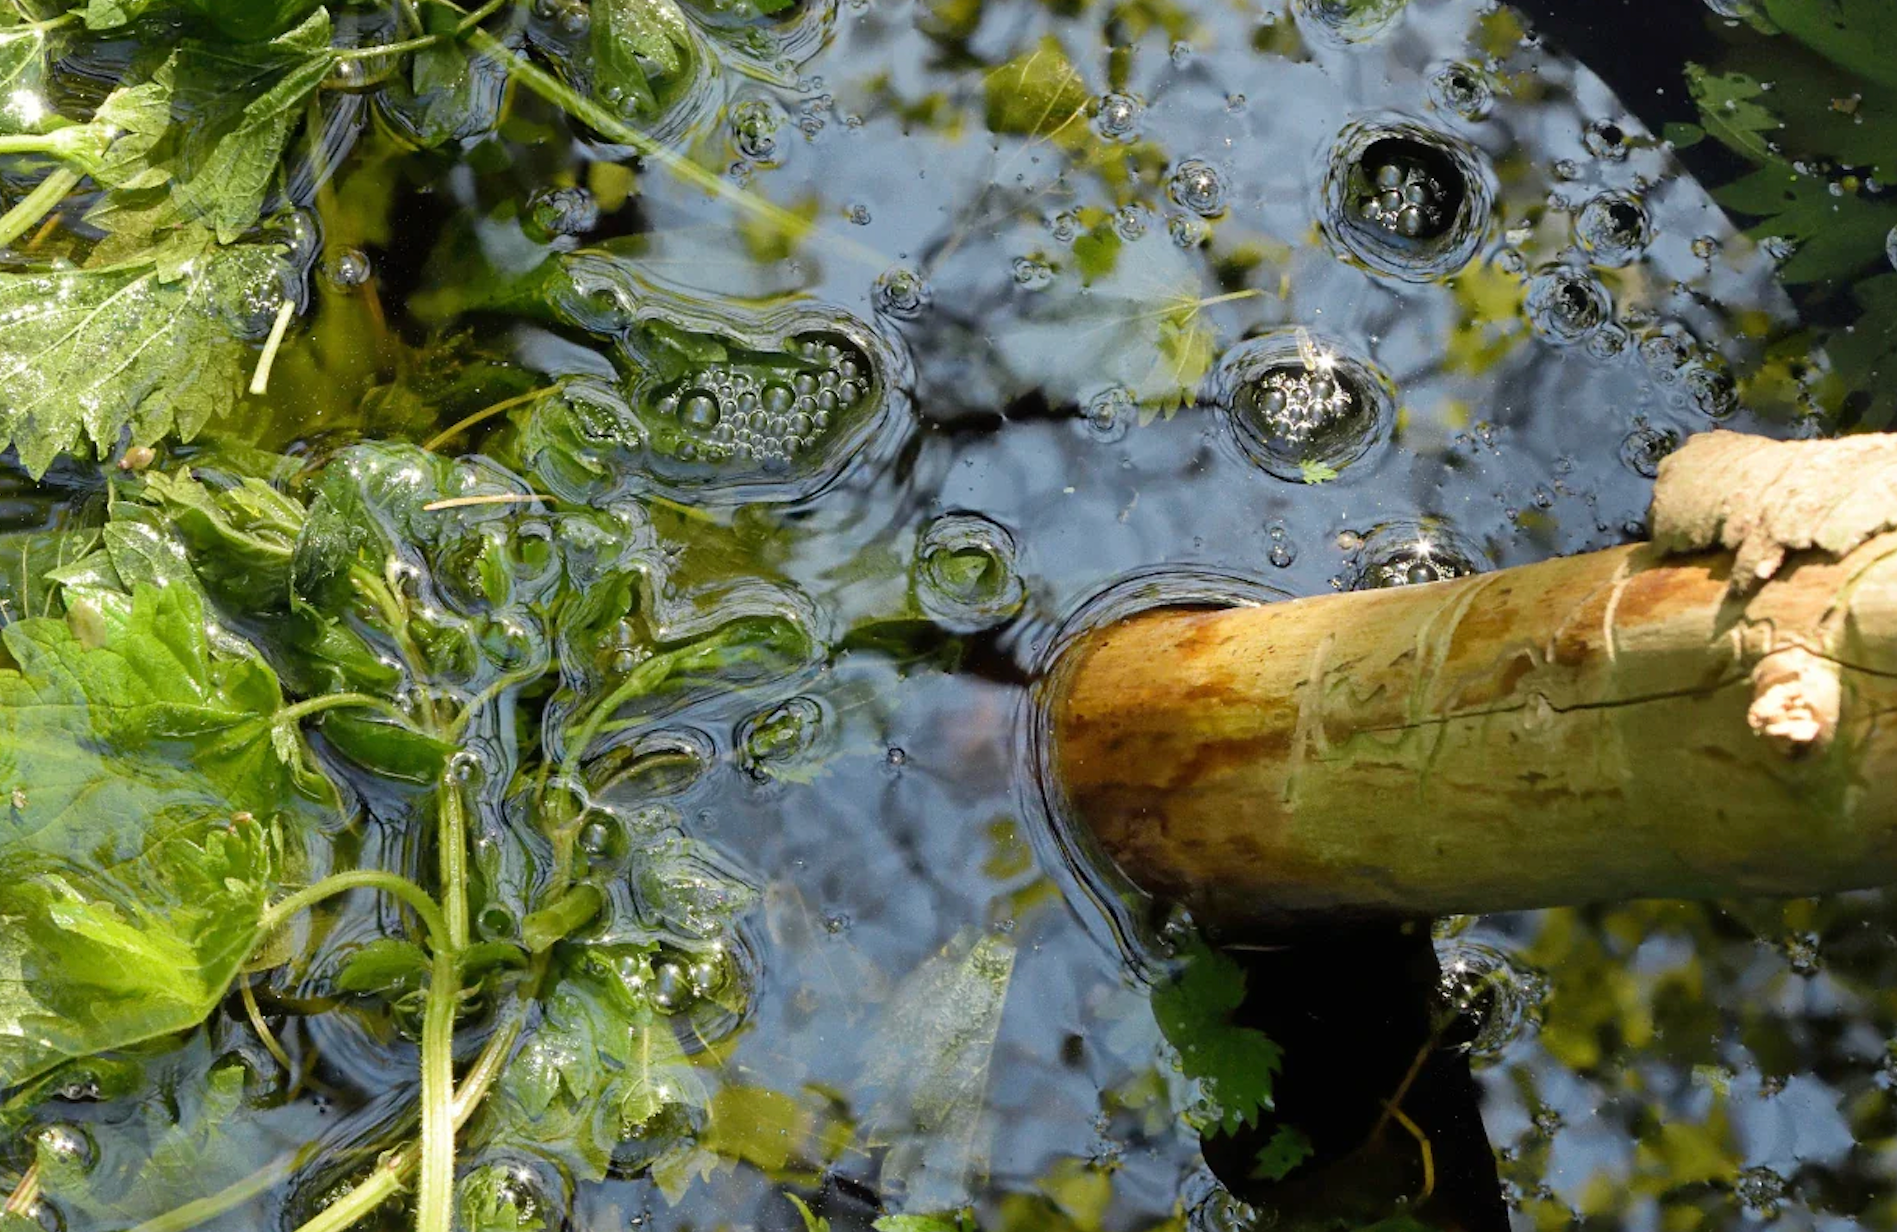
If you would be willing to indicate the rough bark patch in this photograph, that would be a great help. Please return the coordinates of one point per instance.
(1763, 499)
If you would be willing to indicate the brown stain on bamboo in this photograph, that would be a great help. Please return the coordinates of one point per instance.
(1556, 733)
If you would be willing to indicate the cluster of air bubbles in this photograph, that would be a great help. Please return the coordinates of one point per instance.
(1803, 954)
(1283, 553)
(1110, 413)
(1117, 116)
(1197, 186)
(1032, 273)
(1405, 200)
(1761, 1191)
(1499, 998)
(1643, 448)
(1605, 139)
(902, 292)
(1464, 90)
(775, 738)
(1565, 305)
(965, 574)
(681, 980)
(573, 17)
(755, 124)
(1300, 407)
(348, 268)
(1613, 228)
(1298, 402)
(728, 411)
(1710, 387)
(1413, 553)
(554, 212)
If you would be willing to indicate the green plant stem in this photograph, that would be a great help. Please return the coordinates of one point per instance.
(452, 836)
(339, 701)
(205, 1209)
(434, 1197)
(604, 122)
(396, 1168)
(376, 51)
(488, 412)
(480, 15)
(37, 204)
(393, 884)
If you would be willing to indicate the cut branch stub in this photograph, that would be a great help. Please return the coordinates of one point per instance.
(1621, 724)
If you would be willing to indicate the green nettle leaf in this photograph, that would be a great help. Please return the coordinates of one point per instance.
(1235, 1066)
(1036, 94)
(153, 799)
(157, 346)
(604, 1066)
(1731, 112)
(1854, 34)
(1866, 355)
(1836, 234)
(241, 539)
(241, 20)
(957, 1221)
(1288, 1147)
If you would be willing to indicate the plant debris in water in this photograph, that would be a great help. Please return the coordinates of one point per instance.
(491, 485)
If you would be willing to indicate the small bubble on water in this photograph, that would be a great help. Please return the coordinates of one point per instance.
(1890, 247)
(1118, 116)
(1197, 186)
(1761, 1191)
(896, 757)
(1605, 139)
(1644, 447)
(1802, 954)
(902, 293)
(669, 987)
(348, 269)
(64, 1147)
(755, 124)
(554, 212)
(1705, 247)
(1109, 414)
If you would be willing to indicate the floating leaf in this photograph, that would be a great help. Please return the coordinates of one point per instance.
(153, 802)
(156, 346)
(1036, 94)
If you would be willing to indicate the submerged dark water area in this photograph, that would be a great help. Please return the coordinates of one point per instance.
(734, 489)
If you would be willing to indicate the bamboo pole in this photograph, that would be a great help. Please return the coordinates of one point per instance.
(1709, 715)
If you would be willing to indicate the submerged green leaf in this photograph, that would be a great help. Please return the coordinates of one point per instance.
(156, 346)
(931, 1064)
(1235, 1066)
(153, 800)
(603, 1066)
(1036, 94)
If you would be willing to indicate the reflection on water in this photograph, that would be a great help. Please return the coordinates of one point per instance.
(1048, 328)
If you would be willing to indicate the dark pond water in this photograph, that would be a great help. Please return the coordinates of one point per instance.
(1300, 298)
